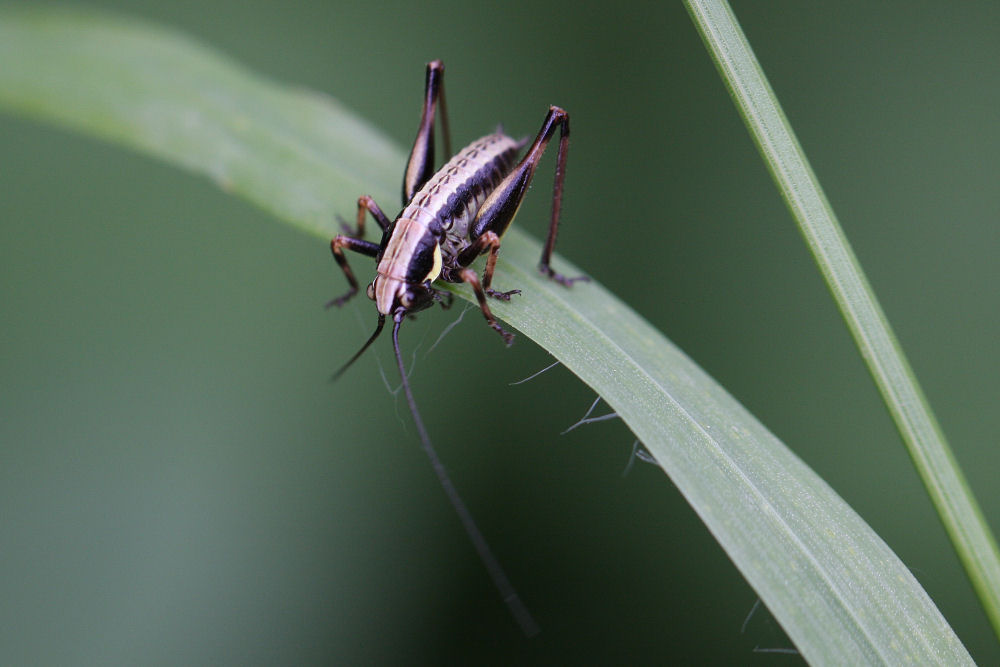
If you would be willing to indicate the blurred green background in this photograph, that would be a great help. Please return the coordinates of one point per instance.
(179, 483)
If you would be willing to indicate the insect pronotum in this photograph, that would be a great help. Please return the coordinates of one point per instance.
(449, 218)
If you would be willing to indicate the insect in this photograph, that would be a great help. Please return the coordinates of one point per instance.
(449, 218)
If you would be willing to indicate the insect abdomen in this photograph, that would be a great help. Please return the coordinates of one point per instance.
(450, 199)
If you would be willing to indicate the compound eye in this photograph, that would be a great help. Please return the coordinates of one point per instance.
(371, 291)
(406, 299)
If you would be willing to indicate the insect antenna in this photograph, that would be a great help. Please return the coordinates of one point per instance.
(500, 580)
(378, 330)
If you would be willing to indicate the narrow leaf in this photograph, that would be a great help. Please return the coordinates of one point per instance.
(924, 439)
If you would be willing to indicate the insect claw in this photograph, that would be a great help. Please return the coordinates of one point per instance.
(504, 296)
(341, 300)
(444, 298)
(560, 278)
(508, 337)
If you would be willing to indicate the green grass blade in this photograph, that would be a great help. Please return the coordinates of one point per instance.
(931, 454)
(837, 589)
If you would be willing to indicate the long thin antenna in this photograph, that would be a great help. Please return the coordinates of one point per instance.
(500, 580)
(371, 339)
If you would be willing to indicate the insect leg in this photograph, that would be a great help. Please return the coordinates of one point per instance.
(501, 206)
(337, 246)
(420, 166)
(366, 203)
(557, 190)
(487, 241)
(469, 276)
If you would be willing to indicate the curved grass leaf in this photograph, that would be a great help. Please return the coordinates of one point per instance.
(945, 483)
(837, 589)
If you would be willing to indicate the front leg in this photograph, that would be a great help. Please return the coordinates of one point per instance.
(337, 246)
